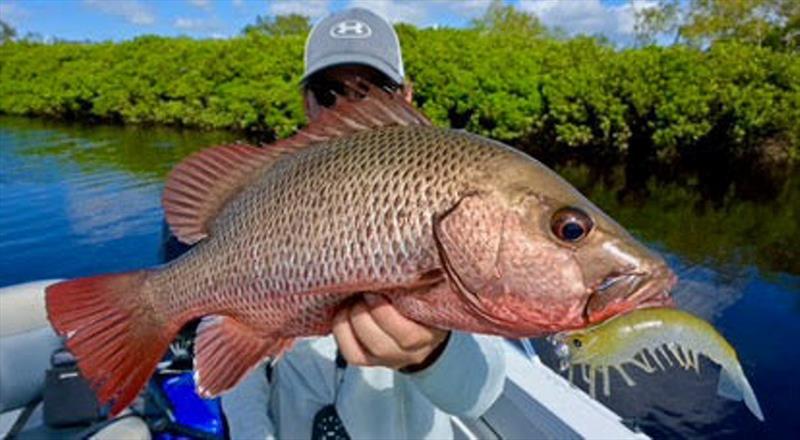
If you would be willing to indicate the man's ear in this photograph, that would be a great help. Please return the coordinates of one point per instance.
(408, 91)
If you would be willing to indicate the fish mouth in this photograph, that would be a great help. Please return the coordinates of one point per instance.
(621, 292)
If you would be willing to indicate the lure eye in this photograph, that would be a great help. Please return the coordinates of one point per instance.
(577, 343)
(571, 224)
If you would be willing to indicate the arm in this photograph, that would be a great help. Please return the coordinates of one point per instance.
(245, 407)
(373, 332)
(472, 364)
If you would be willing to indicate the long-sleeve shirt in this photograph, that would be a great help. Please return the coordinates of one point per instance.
(372, 402)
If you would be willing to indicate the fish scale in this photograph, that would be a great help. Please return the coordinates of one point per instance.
(358, 186)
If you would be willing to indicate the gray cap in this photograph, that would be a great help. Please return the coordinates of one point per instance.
(354, 36)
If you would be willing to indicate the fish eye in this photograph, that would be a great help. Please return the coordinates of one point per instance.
(577, 343)
(570, 224)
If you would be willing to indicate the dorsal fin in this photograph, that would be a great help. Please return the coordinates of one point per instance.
(200, 185)
(198, 188)
(372, 108)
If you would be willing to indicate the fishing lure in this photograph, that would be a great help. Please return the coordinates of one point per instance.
(644, 338)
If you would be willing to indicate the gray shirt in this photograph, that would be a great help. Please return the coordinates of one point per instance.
(373, 402)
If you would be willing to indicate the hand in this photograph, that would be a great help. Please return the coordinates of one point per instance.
(372, 332)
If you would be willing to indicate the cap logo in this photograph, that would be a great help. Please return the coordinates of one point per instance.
(350, 29)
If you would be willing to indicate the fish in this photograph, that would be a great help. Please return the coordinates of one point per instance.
(457, 231)
(645, 338)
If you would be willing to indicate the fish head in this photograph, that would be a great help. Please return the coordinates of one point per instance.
(620, 274)
(534, 257)
(602, 270)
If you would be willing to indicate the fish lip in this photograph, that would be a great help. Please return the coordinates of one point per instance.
(614, 278)
(656, 293)
(633, 289)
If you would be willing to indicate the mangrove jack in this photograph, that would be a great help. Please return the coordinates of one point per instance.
(457, 231)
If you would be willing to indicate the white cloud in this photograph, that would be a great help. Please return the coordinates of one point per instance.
(202, 4)
(465, 8)
(422, 13)
(616, 21)
(310, 8)
(415, 12)
(418, 12)
(196, 24)
(13, 13)
(133, 11)
(628, 20)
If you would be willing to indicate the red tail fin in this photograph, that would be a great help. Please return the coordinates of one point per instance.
(116, 337)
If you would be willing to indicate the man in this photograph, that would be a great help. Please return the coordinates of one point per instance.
(328, 387)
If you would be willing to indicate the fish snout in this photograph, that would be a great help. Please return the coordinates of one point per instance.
(620, 292)
(657, 289)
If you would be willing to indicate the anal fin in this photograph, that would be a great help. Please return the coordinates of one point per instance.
(226, 350)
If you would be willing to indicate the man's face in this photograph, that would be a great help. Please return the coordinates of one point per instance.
(323, 87)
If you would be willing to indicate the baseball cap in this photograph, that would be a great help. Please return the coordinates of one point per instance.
(354, 36)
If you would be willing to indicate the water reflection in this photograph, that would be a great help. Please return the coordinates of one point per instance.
(147, 154)
(80, 200)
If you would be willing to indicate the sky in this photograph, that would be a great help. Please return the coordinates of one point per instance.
(99, 20)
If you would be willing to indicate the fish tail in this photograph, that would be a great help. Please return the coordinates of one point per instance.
(115, 335)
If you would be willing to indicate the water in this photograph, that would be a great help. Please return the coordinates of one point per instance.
(78, 200)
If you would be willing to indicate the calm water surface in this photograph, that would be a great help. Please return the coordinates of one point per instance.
(81, 200)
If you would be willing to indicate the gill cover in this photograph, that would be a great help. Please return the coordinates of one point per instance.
(505, 269)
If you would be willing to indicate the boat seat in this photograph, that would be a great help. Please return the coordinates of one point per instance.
(127, 427)
(26, 343)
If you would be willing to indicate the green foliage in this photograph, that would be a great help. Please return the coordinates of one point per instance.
(281, 25)
(7, 32)
(501, 17)
(575, 96)
(581, 95)
(248, 83)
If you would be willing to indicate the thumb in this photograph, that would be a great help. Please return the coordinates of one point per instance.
(374, 300)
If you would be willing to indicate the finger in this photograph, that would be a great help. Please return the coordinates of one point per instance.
(407, 334)
(348, 344)
(372, 337)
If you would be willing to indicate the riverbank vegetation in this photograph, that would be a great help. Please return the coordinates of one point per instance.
(505, 77)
